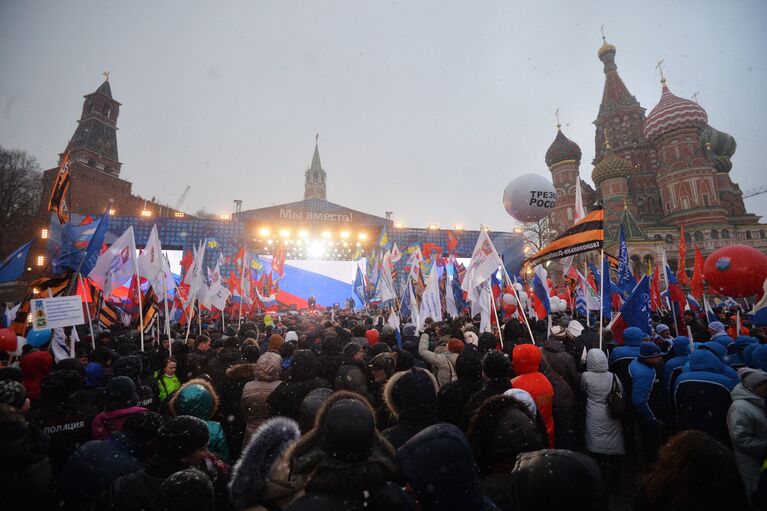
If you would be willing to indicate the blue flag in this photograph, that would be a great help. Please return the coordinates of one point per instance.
(626, 281)
(94, 245)
(636, 309)
(13, 266)
(359, 286)
(404, 305)
(580, 302)
(539, 289)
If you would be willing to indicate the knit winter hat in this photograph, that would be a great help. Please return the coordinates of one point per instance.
(496, 364)
(348, 431)
(455, 346)
(471, 338)
(662, 327)
(94, 374)
(716, 326)
(291, 336)
(187, 490)
(120, 393)
(574, 328)
(181, 436)
(275, 341)
(12, 393)
(649, 350)
(752, 378)
(557, 332)
(58, 386)
(129, 366)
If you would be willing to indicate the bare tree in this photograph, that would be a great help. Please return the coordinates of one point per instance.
(538, 234)
(20, 190)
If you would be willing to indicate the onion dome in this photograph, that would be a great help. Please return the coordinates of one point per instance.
(611, 166)
(562, 149)
(605, 49)
(673, 113)
(719, 148)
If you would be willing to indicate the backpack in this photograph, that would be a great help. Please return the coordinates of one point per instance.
(616, 402)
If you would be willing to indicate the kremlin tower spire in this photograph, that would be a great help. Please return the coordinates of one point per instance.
(314, 184)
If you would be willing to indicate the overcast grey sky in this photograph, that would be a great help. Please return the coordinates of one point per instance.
(427, 109)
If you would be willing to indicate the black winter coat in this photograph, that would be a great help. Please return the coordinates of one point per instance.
(217, 367)
(136, 491)
(453, 396)
(492, 387)
(68, 425)
(25, 471)
(287, 397)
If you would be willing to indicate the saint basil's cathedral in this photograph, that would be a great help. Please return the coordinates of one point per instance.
(654, 174)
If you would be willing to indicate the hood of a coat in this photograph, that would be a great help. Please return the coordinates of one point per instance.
(704, 360)
(681, 346)
(196, 398)
(596, 361)
(526, 358)
(742, 393)
(716, 348)
(268, 367)
(633, 336)
(251, 474)
(36, 365)
(242, 372)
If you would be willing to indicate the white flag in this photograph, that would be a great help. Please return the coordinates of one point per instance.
(218, 292)
(484, 261)
(117, 264)
(393, 320)
(195, 279)
(396, 255)
(484, 298)
(578, 213)
(385, 281)
(153, 266)
(430, 302)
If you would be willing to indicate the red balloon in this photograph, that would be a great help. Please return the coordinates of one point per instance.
(736, 271)
(509, 309)
(7, 339)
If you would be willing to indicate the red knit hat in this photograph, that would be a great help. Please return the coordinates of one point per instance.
(455, 346)
(372, 336)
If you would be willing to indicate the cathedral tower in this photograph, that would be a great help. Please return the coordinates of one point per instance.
(314, 184)
(563, 159)
(621, 118)
(686, 177)
(611, 177)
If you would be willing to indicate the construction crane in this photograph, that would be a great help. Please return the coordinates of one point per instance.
(181, 199)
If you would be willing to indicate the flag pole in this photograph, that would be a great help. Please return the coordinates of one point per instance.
(737, 324)
(242, 291)
(519, 304)
(601, 294)
(189, 318)
(165, 302)
(497, 323)
(88, 312)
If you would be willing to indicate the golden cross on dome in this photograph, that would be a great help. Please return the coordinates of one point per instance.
(106, 75)
(695, 96)
(316, 138)
(556, 114)
(602, 29)
(659, 67)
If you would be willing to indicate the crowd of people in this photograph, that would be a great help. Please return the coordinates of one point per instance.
(318, 411)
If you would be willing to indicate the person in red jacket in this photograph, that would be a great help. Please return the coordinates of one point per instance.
(526, 358)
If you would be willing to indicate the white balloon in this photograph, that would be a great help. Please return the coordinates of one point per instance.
(508, 299)
(529, 197)
(522, 297)
(20, 342)
(518, 287)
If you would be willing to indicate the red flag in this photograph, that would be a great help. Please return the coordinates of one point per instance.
(655, 299)
(681, 272)
(278, 260)
(696, 286)
(452, 242)
(87, 220)
(186, 261)
(430, 248)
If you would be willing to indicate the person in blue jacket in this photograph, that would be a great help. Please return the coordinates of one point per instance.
(647, 398)
(199, 399)
(736, 360)
(632, 339)
(719, 334)
(721, 353)
(704, 365)
(680, 348)
(759, 357)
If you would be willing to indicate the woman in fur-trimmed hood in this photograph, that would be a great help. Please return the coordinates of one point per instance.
(199, 399)
(348, 463)
(261, 479)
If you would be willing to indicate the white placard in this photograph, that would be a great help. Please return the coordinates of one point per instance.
(57, 312)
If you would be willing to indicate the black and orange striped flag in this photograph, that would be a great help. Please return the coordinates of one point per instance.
(587, 234)
(58, 200)
(56, 286)
(109, 314)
